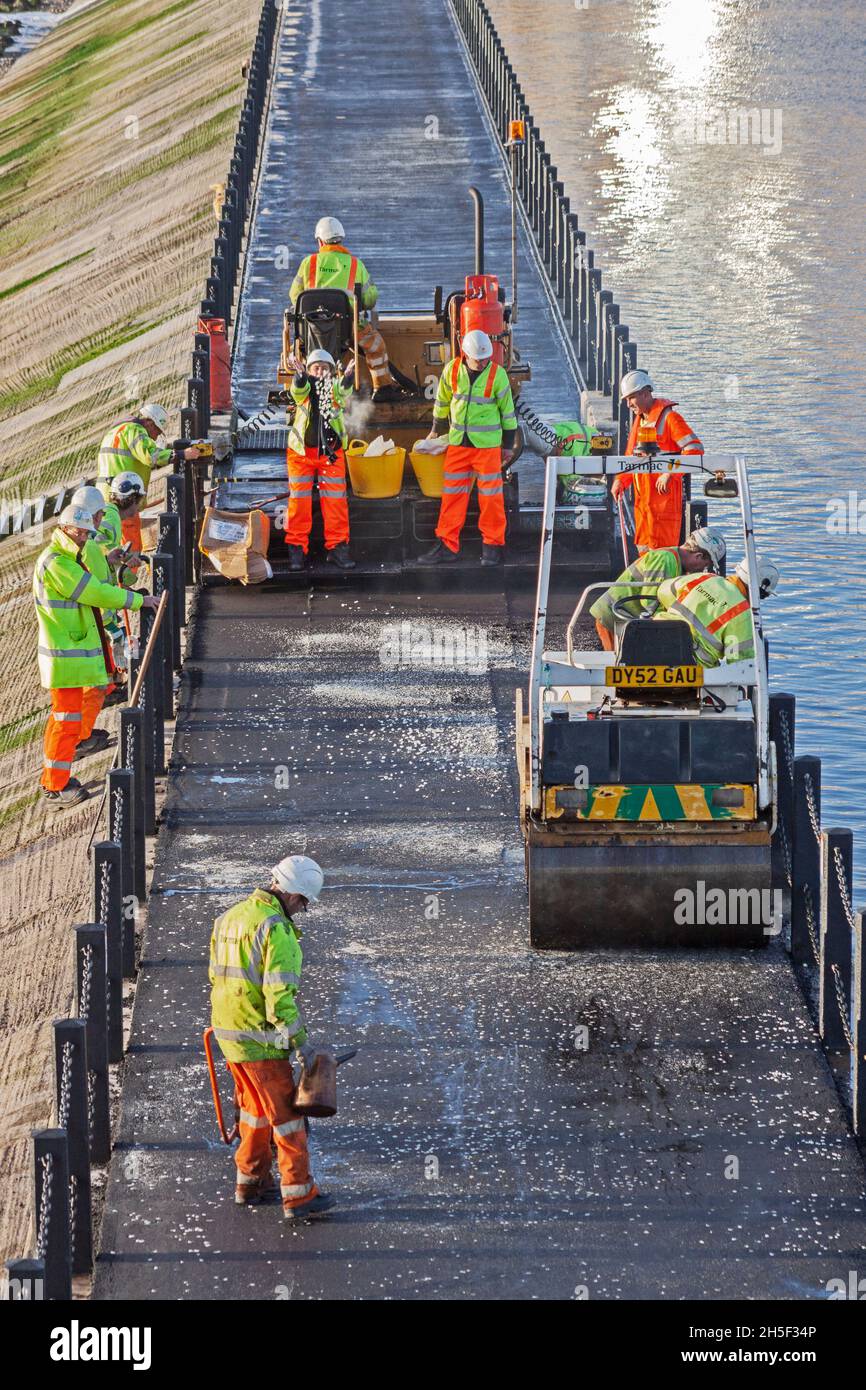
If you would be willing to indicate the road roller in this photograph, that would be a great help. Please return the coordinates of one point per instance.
(647, 782)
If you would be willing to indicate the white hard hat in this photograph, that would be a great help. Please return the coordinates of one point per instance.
(477, 344)
(90, 498)
(320, 355)
(74, 515)
(713, 542)
(123, 484)
(329, 229)
(633, 381)
(157, 413)
(299, 874)
(768, 574)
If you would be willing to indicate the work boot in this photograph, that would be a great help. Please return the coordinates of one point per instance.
(71, 794)
(491, 554)
(262, 1191)
(339, 555)
(439, 555)
(297, 558)
(308, 1211)
(98, 741)
(118, 696)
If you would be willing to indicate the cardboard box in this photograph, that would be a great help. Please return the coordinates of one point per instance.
(236, 543)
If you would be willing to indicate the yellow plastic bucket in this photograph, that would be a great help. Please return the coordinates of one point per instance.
(430, 472)
(381, 476)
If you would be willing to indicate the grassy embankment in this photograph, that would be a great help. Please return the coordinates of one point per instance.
(111, 132)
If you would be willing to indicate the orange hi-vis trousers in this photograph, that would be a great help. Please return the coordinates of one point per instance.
(304, 470)
(265, 1092)
(73, 715)
(130, 528)
(372, 344)
(461, 462)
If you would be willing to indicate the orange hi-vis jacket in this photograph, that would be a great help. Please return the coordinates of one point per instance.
(658, 515)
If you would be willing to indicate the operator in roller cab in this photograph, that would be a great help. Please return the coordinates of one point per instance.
(702, 553)
(474, 404)
(316, 445)
(718, 610)
(657, 427)
(333, 267)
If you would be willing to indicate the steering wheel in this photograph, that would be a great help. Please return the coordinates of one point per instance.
(623, 608)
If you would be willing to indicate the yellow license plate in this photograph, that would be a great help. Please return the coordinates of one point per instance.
(677, 677)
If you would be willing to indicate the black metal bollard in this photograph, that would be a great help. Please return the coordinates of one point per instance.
(177, 502)
(837, 927)
(858, 1026)
(131, 741)
(201, 372)
(194, 390)
(170, 544)
(70, 1061)
(189, 422)
(121, 829)
(145, 790)
(25, 1281)
(51, 1164)
(90, 949)
(806, 862)
(162, 569)
(108, 910)
(782, 726)
(153, 691)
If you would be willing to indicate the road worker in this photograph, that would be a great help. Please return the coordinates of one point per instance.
(333, 267)
(474, 404)
(718, 611)
(255, 970)
(132, 446)
(121, 518)
(702, 553)
(316, 451)
(658, 497)
(73, 661)
(103, 556)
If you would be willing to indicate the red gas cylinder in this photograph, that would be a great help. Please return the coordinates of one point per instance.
(220, 363)
(482, 309)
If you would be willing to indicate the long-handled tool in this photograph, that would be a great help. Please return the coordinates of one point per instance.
(230, 1135)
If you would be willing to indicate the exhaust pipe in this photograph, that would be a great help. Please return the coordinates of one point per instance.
(475, 194)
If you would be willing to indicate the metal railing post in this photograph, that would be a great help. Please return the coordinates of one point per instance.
(152, 700)
(51, 1173)
(806, 862)
(108, 911)
(837, 926)
(121, 830)
(90, 1000)
(179, 503)
(70, 1064)
(169, 542)
(162, 569)
(782, 731)
(858, 1027)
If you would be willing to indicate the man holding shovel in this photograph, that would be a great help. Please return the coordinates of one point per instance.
(255, 971)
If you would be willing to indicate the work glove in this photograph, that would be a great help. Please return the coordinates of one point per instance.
(305, 1054)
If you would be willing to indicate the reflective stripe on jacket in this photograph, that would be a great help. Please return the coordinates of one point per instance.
(71, 654)
(481, 409)
(718, 614)
(255, 970)
(648, 570)
(334, 268)
(658, 515)
(297, 437)
(129, 448)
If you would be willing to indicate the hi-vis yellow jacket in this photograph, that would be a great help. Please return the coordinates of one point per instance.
(255, 970)
(481, 409)
(71, 653)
